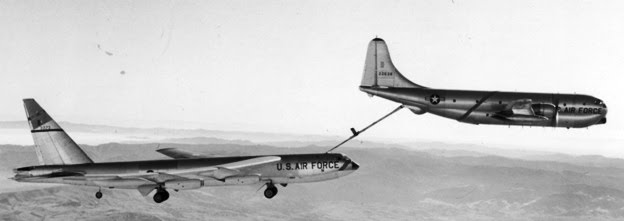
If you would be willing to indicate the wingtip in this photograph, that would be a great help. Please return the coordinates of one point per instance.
(165, 149)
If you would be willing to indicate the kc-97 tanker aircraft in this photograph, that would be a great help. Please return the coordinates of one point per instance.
(63, 161)
(382, 79)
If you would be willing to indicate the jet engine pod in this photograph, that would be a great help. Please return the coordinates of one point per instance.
(121, 183)
(184, 184)
(242, 180)
(28, 171)
(546, 110)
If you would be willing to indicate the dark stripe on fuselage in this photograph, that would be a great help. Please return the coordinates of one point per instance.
(483, 99)
(143, 166)
(45, 130)
(344, 165)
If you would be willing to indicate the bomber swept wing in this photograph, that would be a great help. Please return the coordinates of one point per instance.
(178, 179)
(228, 169)
(218, 172)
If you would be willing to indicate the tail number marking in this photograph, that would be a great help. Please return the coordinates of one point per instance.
(384, 73)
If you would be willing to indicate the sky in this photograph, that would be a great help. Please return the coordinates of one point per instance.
(295, 66)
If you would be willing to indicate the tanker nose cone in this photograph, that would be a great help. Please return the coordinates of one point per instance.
(603, 121)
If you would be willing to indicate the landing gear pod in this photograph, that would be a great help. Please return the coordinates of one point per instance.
(270, 191)
(161, 195)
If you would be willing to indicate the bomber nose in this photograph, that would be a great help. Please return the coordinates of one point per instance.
(603, 120)
(354, 165)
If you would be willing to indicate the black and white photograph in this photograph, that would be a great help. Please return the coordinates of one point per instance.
(431, 110)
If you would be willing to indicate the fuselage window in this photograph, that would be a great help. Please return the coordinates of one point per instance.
(564, 104)
(453, 100)
(500, 102)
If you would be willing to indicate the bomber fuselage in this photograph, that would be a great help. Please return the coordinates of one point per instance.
(296, 168)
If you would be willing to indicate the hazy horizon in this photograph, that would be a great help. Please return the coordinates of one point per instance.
(94, 135)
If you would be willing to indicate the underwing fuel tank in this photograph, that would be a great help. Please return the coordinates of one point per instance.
(242, 180)
(29, 172)
(184, 184)
(120, 183)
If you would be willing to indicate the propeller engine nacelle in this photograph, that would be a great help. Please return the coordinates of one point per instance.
(546, 110)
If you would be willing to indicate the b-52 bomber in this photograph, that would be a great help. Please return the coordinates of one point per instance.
(63, 161)
(382, 79)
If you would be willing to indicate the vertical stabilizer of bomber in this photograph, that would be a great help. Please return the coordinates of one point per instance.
(52, 144)
(379, 70)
